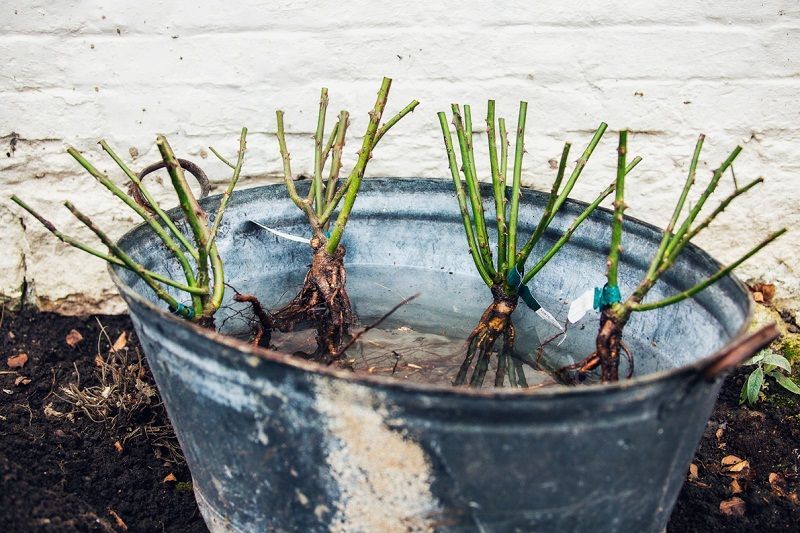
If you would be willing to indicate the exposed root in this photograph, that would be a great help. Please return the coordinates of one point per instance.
(495, 321)
(609, 340)
(264, 326)
(122, 390)
(322, 301)
(609, 344)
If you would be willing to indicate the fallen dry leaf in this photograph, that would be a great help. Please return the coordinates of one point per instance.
(738, 467)
(22, 380)
(170, 478)
(736, 488)
(780, 488)
(17, 361)
(730, 460)
(118, 446)
(765, 290)
(73, 338)
(118, 519)
(693, 472)
(99, 361)
(121, 342)
(733, 507)
(777, 482)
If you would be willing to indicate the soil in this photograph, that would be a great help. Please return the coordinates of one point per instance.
(60, 470)
(63, 471)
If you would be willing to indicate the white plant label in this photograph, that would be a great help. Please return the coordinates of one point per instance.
(283, 234)
(581, 305)
(545, 315)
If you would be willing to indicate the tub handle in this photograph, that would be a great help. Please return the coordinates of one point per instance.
(188, 166)
(741, 349)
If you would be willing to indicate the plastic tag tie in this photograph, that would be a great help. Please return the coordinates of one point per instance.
(515, 281)
(183, 311)
(606, 296)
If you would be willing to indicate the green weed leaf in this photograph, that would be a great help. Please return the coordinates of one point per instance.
(754, 384)
(757, 358)
(786, 382)
(778, 361)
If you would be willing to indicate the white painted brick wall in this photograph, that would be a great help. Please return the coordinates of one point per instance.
(77, 71)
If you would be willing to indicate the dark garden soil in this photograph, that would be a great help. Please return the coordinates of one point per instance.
(85, 445)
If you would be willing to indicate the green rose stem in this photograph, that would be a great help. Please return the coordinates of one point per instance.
(615, 314)
(506, 278)
(205, 299)
(109, 258)
(323, 299)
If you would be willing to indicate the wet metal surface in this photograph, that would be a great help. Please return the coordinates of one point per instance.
(274, 442)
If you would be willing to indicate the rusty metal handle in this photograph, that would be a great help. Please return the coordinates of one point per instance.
(741, 349)
(188, 166)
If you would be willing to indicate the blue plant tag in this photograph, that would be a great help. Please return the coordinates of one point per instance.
(183, 311)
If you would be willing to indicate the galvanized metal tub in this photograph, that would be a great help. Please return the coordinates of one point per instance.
(277, 443)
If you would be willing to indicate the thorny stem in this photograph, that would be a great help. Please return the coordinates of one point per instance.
(674, 247)
(342, 190)
(666, 254)
(358, 172)
(130, 202)
(71, 241)
(394, 120)
(576, 172)
(150, 200)
(329, 145)
(171, 245)
(219, 156)
(198, 222)
(688, 293)
(473, 188)
(574, 226)
(501, 124)
(226, 196)
(319, 192)
(567, 234)
(125, 258)
(722, 206)
(560, 198)
(288, 179)
(336, 162)
(515, 186)
(619, 209)
(523, 254)
(665, 240)
(462, 200)
(498, 186)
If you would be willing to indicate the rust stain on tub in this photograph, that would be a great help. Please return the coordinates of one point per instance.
(382, 475)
